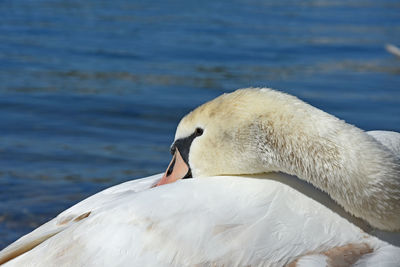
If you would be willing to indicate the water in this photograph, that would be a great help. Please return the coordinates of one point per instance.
(91, 91)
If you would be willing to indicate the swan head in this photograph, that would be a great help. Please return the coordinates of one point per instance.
(233, 134)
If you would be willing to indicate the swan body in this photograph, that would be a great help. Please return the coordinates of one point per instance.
(278, 183)
(215, 221)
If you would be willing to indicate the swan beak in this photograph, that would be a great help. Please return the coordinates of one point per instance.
(177, 169)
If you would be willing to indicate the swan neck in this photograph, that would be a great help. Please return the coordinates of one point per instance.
(343, 161)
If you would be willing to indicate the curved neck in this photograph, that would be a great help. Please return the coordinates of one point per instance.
(343, 161)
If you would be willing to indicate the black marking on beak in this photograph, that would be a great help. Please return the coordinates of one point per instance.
(172, 149)
(171, 166)
(188, 174)
(183, 145)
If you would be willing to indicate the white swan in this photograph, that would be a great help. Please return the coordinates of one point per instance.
(239, 220)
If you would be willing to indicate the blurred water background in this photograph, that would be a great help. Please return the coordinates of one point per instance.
(91, 91)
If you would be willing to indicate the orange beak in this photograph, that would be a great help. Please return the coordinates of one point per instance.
(177, 169)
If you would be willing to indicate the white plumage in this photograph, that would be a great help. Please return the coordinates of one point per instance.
(216, 221)
(271, 219)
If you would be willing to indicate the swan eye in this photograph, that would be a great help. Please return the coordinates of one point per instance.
(199, 131)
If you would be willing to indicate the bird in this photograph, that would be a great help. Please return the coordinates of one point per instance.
(258, 178)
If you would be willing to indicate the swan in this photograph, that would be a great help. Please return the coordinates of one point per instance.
(246, 151)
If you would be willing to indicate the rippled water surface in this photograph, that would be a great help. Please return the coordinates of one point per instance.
(91, 91)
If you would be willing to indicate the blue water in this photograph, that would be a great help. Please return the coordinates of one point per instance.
(91, 91)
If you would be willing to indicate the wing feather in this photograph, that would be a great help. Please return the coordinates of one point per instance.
(74, 215)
